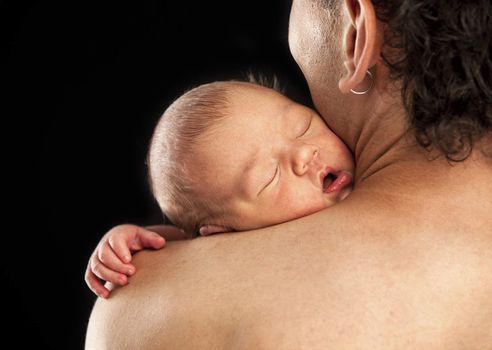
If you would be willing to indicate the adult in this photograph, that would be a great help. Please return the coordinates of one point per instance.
(405, 262)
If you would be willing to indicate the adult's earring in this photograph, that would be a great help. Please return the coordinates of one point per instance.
(371, 78)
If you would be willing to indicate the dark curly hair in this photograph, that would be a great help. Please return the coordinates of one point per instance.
(440, 51)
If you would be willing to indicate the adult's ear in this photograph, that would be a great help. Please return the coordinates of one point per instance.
(206, 230)
(362, 43)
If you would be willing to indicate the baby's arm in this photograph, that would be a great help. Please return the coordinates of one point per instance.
(111, 259)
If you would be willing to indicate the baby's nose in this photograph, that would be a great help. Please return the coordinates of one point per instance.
(304, 157)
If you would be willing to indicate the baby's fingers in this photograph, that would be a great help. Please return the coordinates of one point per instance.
(147, 239)
(106, 274)
(109, 258)
(121, 248)
(95, 284)
(139, 240)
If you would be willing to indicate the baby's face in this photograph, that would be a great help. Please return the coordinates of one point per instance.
(271, 160)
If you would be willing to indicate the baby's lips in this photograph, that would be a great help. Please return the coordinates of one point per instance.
(343, 179)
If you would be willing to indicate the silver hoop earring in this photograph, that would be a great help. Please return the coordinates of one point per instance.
(369, 88)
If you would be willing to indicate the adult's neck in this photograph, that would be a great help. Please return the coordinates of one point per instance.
(381, 139)
(390, 162)
(394, 169)
(373, 126)
(428, 191)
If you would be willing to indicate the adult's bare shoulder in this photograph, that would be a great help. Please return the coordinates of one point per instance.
(322, 281)
(145, 314)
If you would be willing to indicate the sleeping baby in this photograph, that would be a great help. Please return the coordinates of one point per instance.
(230, 156)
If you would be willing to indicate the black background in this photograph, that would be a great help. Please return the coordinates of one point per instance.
(85, 83)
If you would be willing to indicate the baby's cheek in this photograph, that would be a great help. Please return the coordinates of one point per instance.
(295, 205)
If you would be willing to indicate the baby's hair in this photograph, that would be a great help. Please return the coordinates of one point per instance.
(270, 82)
(190, 118)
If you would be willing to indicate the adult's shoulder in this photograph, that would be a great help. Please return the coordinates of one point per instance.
(131, 317)
(210, 285)
(330, 279)
(161, 302)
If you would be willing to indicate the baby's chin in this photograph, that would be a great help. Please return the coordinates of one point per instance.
(344, 193)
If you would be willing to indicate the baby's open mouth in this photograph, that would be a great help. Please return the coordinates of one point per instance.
(335, 181)
(328, 180)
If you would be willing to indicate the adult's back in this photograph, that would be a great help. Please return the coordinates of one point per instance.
(405, 262)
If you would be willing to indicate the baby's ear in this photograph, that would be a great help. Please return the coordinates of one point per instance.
(206, 230)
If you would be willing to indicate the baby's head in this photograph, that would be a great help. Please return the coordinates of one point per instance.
(234, 156)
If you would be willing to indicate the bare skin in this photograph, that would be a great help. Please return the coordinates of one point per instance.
(405, 262)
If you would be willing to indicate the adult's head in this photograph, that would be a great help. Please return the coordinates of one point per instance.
(232, 156)
(430, 62)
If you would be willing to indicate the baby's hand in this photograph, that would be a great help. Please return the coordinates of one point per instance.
(111, 258)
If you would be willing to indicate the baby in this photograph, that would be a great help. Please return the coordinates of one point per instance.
(230, 156)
